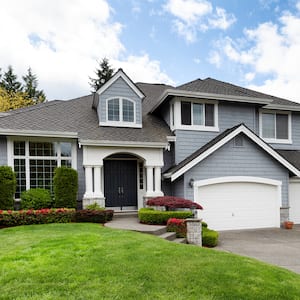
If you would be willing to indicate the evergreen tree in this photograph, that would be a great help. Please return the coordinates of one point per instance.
(103, 73)
(9, 81)
(30, 87)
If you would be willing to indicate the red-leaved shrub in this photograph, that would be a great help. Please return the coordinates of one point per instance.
(173, 202)
(178, 226)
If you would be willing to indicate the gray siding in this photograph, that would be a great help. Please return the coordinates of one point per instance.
(119, 89)
(230, 114)
(178, 187)
(229, 160)
(81, 174)
(169, 158)
(3, 151)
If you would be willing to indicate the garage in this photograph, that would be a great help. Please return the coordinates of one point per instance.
(239, 202)
(294, 193)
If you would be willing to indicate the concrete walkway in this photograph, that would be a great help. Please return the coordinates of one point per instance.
(276, 246)
(132, 223)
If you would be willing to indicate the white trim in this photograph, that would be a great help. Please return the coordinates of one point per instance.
(171, 138)
(237, 179)
(177, 115)
(173, 92)
(123, 144)
(120, 73)
(249, 134)
(274, 140)
(120, 124)
(283, 107)
(39, 133)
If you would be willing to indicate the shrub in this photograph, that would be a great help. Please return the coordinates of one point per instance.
(171, 202)
(94, 206)
(94, 216)
(204, 224)
(155, 217)
(7, 187)
(65, 186)
(209, 237)
(36, 199)
(178, 226)
(42, 216)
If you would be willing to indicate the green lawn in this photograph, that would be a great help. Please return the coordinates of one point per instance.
(88, 261)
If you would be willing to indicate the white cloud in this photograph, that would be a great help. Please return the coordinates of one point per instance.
(222, 20)
(274, 51)
(137, 67)
(215, 58)
(249, 76)
(61, 41)
(192, 16)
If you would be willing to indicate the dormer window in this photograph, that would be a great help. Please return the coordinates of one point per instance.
(120, 110)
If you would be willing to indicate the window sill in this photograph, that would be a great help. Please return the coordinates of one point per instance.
(275, 141)
(120, 124)
(196, 128)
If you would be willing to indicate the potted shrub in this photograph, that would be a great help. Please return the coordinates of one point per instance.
(288, 224)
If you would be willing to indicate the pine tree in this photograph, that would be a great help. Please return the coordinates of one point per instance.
(103, 73)
(9, 81)
(30, 87)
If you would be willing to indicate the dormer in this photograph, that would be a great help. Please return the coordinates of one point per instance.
(119, 102)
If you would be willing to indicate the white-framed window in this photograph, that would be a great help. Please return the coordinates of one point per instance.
(34, 161)
(120, 111)
(275, 126)
(194, 115)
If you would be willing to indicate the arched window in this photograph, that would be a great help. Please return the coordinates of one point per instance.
(120, 110)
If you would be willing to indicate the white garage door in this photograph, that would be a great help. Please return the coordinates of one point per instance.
(239, 204)
(294, 196)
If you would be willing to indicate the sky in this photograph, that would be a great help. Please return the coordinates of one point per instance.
(250, 43)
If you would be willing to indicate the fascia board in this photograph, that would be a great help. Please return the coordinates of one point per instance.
(182, 93)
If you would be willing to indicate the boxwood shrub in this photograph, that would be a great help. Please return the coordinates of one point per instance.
(7, 187)
(65, 187)
(155, 217)
(94, 216)
(36, 199)
(209, 237)
(42, 216)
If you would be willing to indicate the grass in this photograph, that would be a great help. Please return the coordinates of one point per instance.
(88, 261)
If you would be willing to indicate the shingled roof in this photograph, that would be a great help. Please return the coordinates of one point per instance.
(213, 86)
(78, 116)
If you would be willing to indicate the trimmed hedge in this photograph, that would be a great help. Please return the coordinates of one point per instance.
(36, 199)
(42, 216)
(7, 187)
(65, 187)
(209, 237)
(155, 217)
(94, 216)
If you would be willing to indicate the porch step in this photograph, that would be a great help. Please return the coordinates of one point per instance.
(169, 236)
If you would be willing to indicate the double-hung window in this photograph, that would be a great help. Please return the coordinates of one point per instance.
(120, 110)
(275, 126)
(198, 115)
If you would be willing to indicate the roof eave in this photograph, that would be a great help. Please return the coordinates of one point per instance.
(190, 94)
(38, 133)
(283, 107)
(131, 144)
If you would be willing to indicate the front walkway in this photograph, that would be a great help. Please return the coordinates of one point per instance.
(276, 246)
(132, 223)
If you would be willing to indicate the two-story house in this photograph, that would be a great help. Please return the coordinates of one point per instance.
(233, 150)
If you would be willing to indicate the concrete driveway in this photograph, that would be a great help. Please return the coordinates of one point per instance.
(276, 246)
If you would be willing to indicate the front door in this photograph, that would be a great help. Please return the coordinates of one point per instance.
(120, 183)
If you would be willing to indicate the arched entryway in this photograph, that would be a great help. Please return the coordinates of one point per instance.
(122, 180)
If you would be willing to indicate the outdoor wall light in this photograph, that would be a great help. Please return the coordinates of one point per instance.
(191, 182)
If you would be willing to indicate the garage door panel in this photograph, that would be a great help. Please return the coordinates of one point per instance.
(239, 205)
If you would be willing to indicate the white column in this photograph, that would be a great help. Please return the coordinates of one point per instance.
(149, 180)
(88, 182)
(97, 182)
(157, 178)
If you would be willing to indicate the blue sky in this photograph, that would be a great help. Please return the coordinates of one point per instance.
(252, 43)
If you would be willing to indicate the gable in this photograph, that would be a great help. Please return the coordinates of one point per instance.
(220, 141)
(120, 103)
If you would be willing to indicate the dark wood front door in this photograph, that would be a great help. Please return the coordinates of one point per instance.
(120, 183)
